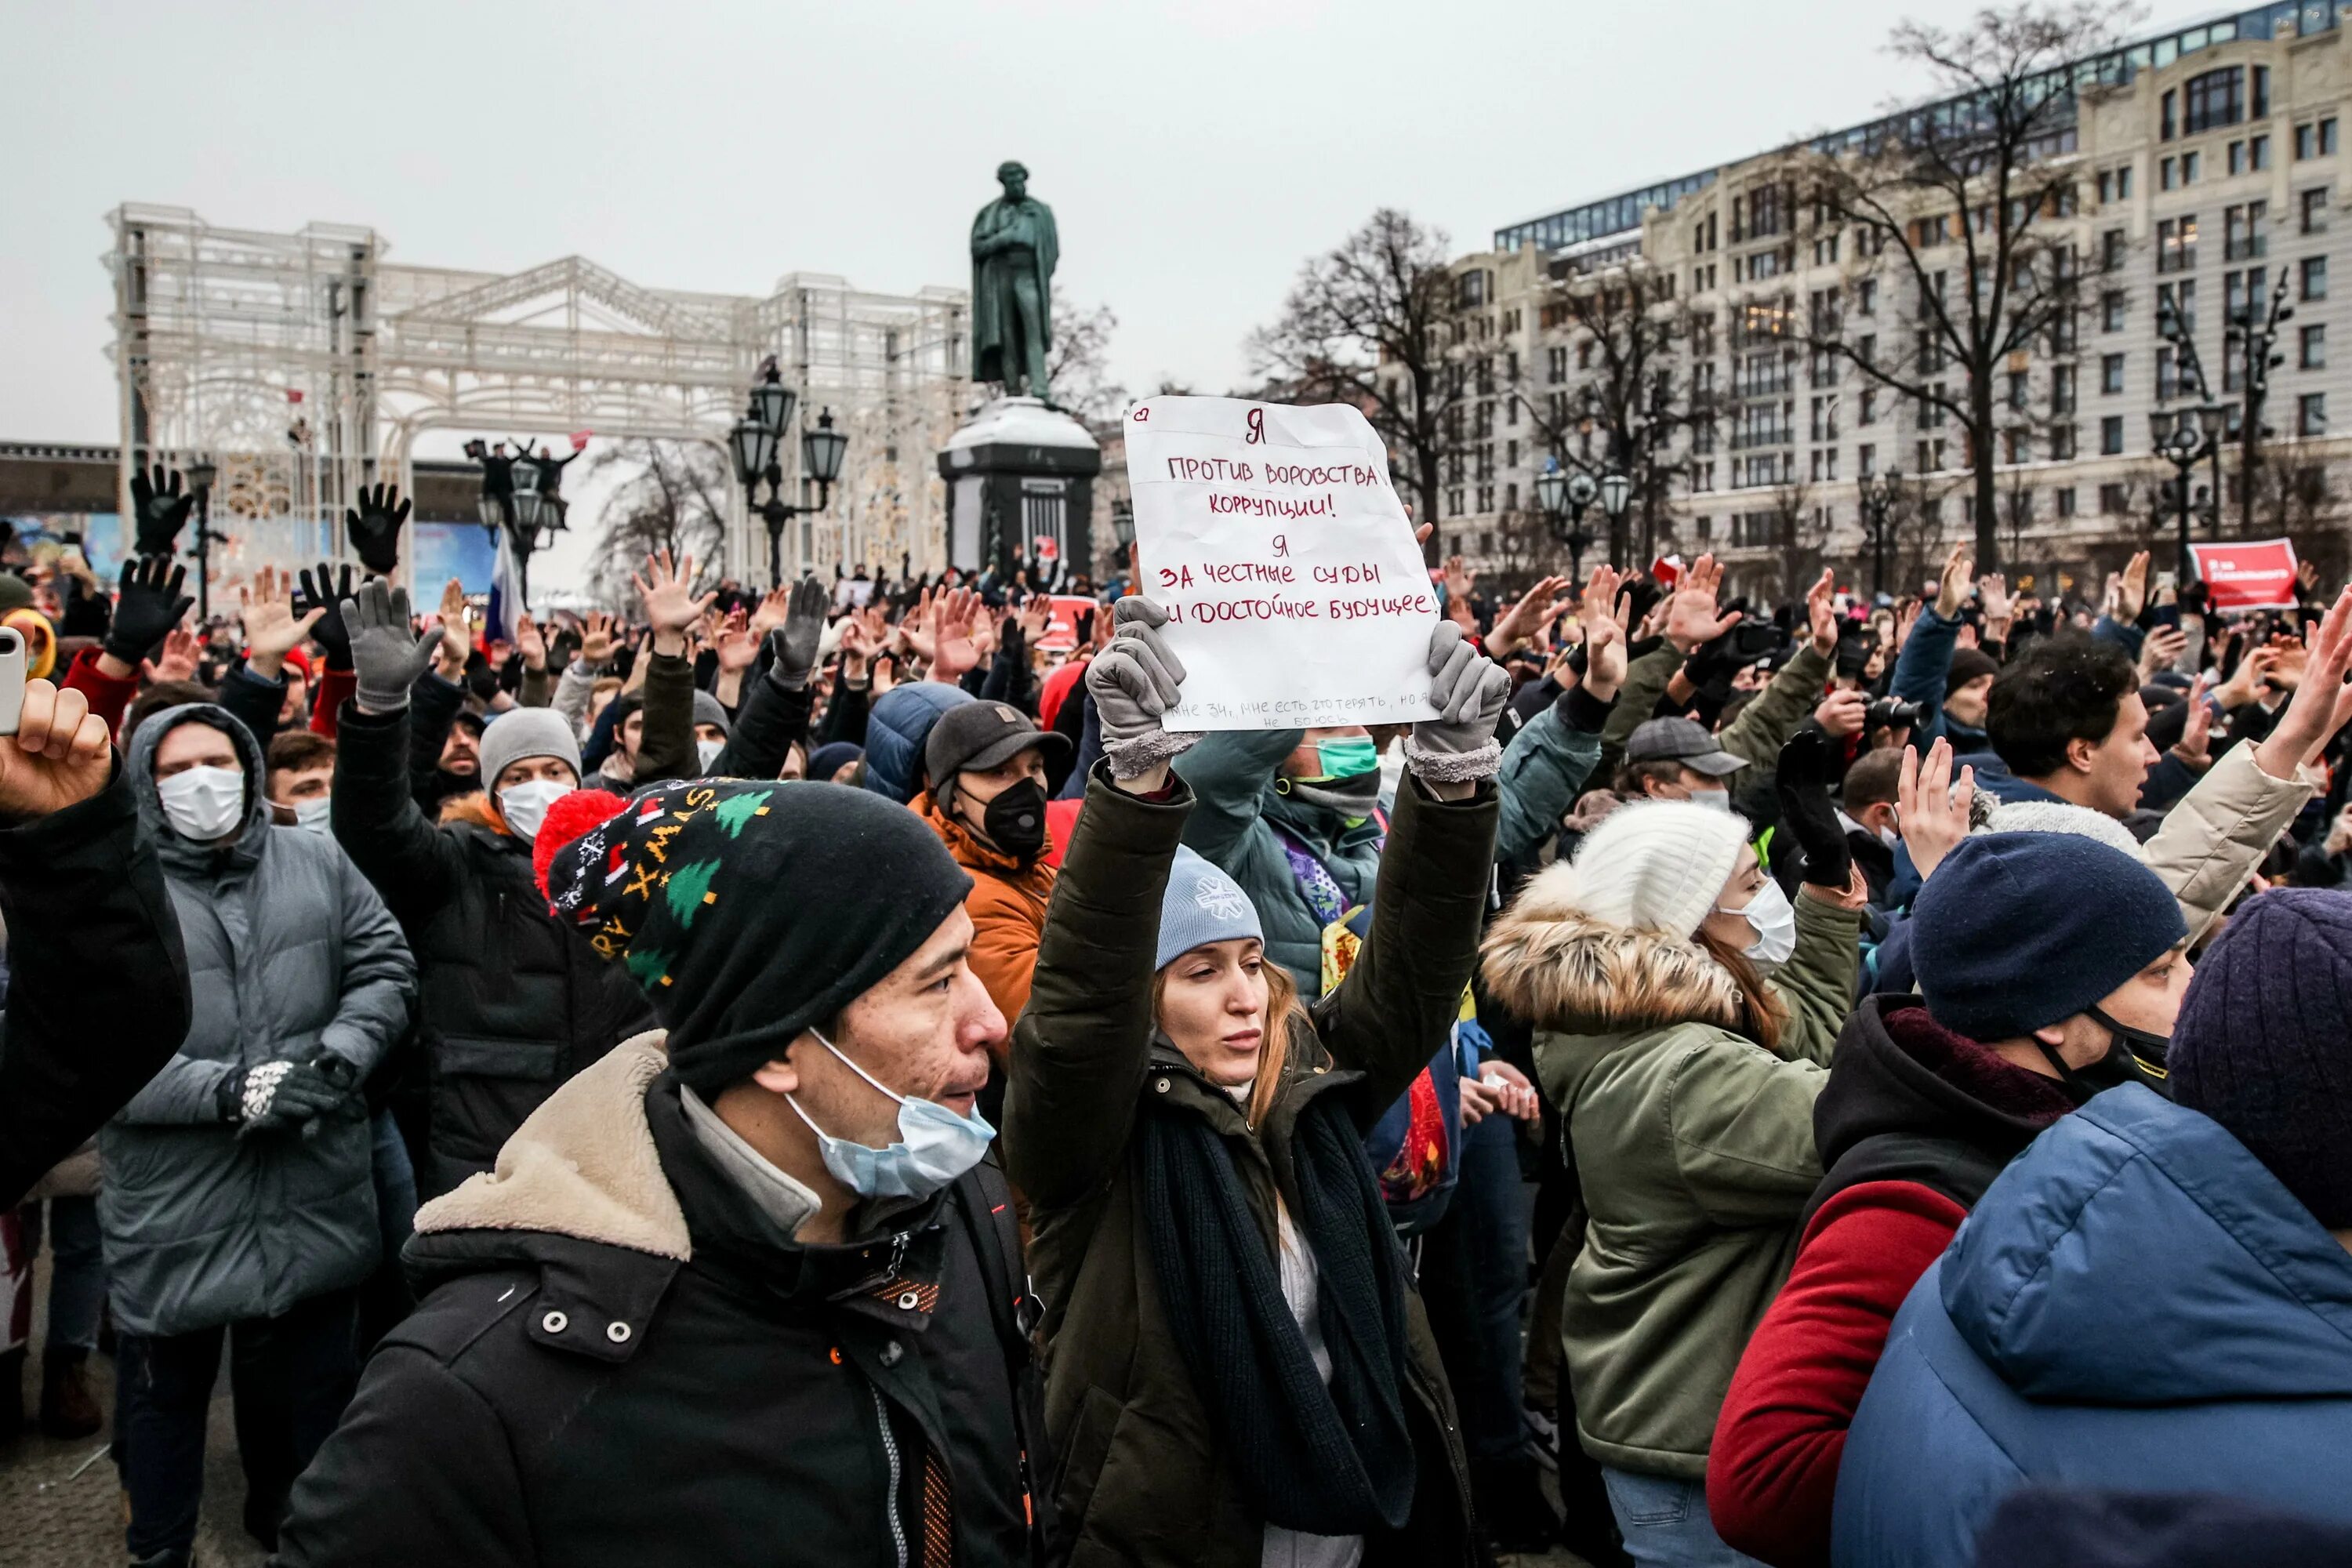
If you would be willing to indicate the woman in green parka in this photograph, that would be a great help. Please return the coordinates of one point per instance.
(1686, 1009)
(1238, 1371)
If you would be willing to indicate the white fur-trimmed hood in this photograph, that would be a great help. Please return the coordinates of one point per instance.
(1563, 969)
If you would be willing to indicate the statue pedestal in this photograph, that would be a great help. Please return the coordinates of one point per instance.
(1019, 477)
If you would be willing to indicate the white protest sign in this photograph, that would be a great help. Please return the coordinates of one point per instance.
(1295, 592)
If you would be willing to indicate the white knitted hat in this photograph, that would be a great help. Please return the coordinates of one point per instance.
(1658, 865)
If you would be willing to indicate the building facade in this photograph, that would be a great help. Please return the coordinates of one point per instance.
(2203, 172)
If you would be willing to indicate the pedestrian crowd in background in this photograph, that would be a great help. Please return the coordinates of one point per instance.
(1848, 1081)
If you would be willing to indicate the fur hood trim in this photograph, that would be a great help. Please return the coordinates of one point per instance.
(584, 1165)
(1562, 969)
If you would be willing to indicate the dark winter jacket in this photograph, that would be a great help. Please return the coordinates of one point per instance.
(1912, 1125)
(621, 1357)
(2135, 1303)
(1143, 1477)
(88, 917)
(291, 957)
(511, 1004)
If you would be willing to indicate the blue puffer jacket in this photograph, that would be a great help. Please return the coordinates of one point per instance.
(896, 729)
(2135, 1303)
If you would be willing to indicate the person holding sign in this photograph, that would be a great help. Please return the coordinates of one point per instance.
(1174, 1108)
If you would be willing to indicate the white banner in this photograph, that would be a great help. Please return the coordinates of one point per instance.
(1295, 595)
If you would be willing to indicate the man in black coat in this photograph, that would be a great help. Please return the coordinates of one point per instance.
(81, 892)
(742, 1292)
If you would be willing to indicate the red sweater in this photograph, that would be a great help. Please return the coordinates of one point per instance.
(107, 697)
(1772, 1472)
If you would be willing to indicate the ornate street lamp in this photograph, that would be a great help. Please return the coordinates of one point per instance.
(1878, 498)
(1563, 499)
(756, 444)
(2184, 443)
(202, 473)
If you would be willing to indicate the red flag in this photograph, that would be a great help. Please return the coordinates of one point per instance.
(293, 394)
(580, 439)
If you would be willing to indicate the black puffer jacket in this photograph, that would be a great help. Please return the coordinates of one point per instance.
(622, 1358)
(510, 1003)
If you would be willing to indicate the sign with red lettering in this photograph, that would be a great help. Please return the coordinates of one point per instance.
(1271, 534)
(2258, 575)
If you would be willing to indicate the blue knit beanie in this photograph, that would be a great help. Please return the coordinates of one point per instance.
(1201, 905)
(2264, 1045)
(2017, 930)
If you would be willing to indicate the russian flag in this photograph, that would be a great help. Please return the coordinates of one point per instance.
(506, 601)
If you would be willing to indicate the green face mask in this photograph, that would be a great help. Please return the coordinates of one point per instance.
(1349, 758)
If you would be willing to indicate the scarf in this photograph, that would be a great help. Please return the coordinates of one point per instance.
(1335, 1460)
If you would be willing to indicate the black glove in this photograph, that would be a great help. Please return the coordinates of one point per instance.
(374, 529)
(1807, 766)
(276, 1094)
(160, 510)
(323, 593)
(148, 603)
(1710, 668)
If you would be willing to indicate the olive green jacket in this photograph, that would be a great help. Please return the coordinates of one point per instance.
(1755, 737)
(1140, 1474)
(1693, 1143)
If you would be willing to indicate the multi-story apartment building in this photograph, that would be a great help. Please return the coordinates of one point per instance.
(2204, 171)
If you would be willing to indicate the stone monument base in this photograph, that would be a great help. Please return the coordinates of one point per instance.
(1020, 483)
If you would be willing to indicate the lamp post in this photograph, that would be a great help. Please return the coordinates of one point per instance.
(202, 473)
(2185, 444)
(530, 519)
(2253, 346)
(757, 443)
(1878, 498)
(1616, 492)
(1122, 527)
(1563, 499)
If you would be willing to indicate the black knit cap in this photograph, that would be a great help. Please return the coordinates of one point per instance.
(1968, 664)
(748, 912)
(2263, 1042)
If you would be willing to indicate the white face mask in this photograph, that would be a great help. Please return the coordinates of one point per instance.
(1712, 799)
(707, 752)
(202, 803)
(525, 805)
(315, 814)
(1773, 920)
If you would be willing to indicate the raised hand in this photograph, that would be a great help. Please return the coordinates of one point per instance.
(176, 661)
(159, 508)
(2132, 589)
(327, 596)
(800, 635)
(1134, 682)
(1998, 611)
(530, 642)
(1931, 812)
(1520, 624)
(953, 652)
(671, 605)
(387, 655)
(1692, 618)
(1452, 751)
(375, 528)
(1841, 714)
(272, 629)
(1801, 779)
(2158, 649)
(736, 649)
(2322, 704)
(1952, 587)
(775, 605)
(2195, 746)
(1820, 613)
(449, 658)
(59, 756)
(596, 639)
(148, 605)
(1603, 615)
(1037, 618)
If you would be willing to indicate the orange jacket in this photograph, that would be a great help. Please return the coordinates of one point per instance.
(1007, 906)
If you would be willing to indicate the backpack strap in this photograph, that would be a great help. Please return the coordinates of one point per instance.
(1013, 1307)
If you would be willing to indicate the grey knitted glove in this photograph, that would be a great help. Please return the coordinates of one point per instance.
(1134, 682)
(1470, 690)
(386, 654)
(796, 641)
(283, 1094)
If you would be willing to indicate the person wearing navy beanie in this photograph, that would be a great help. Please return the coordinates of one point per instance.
(2045, 959)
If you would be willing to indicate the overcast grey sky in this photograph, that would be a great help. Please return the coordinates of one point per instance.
(1194, 154)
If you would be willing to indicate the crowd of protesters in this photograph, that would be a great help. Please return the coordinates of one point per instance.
(825, 1075)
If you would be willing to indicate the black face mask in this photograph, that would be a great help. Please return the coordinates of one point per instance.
(2134, 1056)
(1016, 820)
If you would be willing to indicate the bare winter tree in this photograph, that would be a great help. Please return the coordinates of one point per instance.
(1079, 365)
(670, 495)
(1801, 537)
(1371, 322)
(1954, 209)
(1621, 393)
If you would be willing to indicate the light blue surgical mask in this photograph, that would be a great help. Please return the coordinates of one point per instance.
(315, 813)
(935, 1145)
(1773, 920)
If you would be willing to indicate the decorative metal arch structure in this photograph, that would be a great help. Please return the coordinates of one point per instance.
(308, 366)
